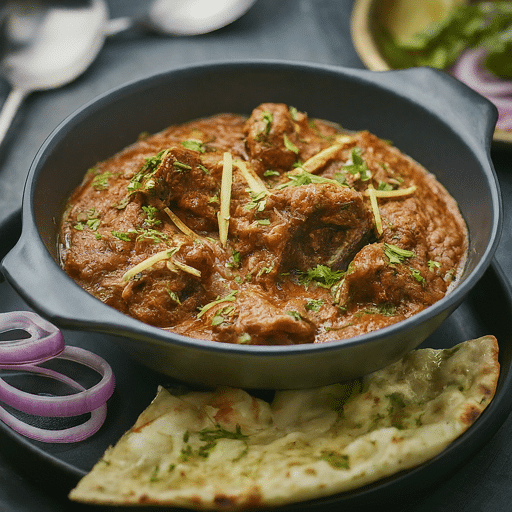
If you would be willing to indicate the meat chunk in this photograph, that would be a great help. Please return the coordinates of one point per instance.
(307, 225)
(264, 321)
(277, 136)
(177, 178)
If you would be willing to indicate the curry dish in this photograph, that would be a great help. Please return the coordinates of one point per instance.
(271, 229)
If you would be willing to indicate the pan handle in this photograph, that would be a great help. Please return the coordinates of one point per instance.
(38, 279)
(471, 115)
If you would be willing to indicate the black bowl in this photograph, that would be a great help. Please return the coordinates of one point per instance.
(439, 122)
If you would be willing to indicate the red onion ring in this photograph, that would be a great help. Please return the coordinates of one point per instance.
(470, 70)
(46, 342)
(68, 405)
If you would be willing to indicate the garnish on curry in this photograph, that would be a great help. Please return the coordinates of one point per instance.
(272, 229)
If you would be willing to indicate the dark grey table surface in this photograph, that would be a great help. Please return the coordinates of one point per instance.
(298, 30)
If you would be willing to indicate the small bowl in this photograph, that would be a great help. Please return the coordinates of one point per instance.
(401, 18)
(428, 115)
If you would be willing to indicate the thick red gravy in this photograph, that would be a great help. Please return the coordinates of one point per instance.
(329, 235)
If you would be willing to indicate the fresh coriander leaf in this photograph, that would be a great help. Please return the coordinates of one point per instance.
(294, 113)
(244, 338)
(288, 144)
(151, 215)
(417, 275)
(358, 165)
(180, 166)
(322, 275)
(314, 305)
(125, 237)
(194, 145)
(100, 181)
(295, 315)
(383, 185)
(268, 119)
(433, 265)
(174, 297)
(151, 165)
(230, 297)
(236, 260)
(335, 459)
(305, 178)
(396, 254)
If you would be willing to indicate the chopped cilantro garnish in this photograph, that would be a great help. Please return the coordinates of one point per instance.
(433, 265)
(151, 215)
(305, 178)
(180, 166)
(100, 181)
(341, 178)
(258, 201)
(268, 119)
(122, 204)
(396, 401)
(222, 314)
(244, 338)
(288, 144)
(151, 234)
(314, 305)
(266, 270)
(210, 437)
(295, 315)
(322, 275)
(358, 165)
(174, 297)
(150, 166)
(387, 309)
(294, 113)
(396, 254)
(194, 145)
(417, 275)
(468, 25)
(89, 218)
(93, 224)
(235, 260)
(125, 237)
(335, 459)
(270, 172)
(230, 297)
(383, 185)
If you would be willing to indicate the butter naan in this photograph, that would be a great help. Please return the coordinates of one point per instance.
(227, 449)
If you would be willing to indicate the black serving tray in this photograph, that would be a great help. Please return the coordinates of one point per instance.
(54, 469)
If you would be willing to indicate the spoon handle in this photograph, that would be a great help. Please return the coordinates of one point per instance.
(118, 25)
(9, 109)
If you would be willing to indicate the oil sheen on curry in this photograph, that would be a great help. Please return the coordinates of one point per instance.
(273, 229)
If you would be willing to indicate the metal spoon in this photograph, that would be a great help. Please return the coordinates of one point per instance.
(47, 45)
(184, 17)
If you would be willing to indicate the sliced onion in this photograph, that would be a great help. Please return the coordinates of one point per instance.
(67, 405)
(470, 70)
(46, 342)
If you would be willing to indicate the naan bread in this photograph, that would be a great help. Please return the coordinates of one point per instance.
(227, 449)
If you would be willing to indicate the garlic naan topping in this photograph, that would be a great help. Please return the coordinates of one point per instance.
(226, 449)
